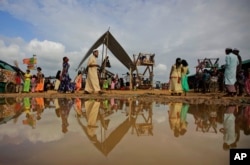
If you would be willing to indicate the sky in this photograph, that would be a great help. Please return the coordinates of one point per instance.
(188, 29)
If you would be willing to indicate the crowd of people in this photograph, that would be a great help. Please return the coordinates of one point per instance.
(230, 79)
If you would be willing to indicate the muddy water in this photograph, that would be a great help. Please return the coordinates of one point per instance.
(125, 132)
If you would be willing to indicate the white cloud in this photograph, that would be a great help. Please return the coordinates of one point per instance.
(187, 29)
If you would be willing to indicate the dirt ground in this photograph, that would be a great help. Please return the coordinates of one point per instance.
(147, 95)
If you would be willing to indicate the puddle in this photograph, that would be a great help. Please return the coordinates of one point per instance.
(119, 131)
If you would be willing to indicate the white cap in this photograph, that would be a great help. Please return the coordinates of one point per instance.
(95, 50)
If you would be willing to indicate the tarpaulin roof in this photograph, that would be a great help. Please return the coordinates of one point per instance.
(112, 44)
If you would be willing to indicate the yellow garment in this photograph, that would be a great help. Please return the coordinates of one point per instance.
(175, 80)
(92, 81)
(92, 110)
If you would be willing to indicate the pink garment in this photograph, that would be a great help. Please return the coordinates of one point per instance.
(113, 85)
(33, 84)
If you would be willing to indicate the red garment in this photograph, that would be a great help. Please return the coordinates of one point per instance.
(18, 80)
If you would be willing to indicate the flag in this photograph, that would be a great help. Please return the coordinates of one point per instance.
(29, 61)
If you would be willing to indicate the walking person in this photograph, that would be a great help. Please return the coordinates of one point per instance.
(92, 81)
(230, 72)
(175, 78)
(65, 85)
(184, 78)
(27, 78)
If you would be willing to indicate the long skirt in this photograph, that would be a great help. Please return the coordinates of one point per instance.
(26, 86)
(57, 84)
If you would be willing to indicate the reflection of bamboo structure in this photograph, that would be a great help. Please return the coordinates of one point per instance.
(107, 143)
(144, 127)
(9, 109)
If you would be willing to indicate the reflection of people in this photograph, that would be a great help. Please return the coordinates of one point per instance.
(246, 120)
(40, 107)
(230, 136)
(183, 121)
(174, 117)
(230, 72)
(63, 112)
(30, 118)
(78, 107)
(175, 78)
(92, 82)
(92, 111)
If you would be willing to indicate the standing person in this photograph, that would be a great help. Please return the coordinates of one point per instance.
(105, 84)
(65, 85)
(247, 83)
(27, 78)
(33, 83)
(230, 72)
(78, 81)
(184, 78)
(175, 78)
(92, 82)
(40, 80)
(239, 76)
(57, 82)
(127, 80)
(206, 77)
(18, 82)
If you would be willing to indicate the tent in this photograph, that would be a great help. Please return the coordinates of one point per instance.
(113, 45)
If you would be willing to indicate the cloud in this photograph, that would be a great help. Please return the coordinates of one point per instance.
(175, 28)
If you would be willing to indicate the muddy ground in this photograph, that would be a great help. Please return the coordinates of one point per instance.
(146, 95)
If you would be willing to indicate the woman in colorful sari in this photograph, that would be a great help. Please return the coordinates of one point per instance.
(184, 78)
(78, 81)
(40, 80)
(175, 78)
(65, 85)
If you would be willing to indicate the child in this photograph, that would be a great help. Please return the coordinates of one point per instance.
(18, 83)
(105, 84)
(33, 83)
(78, 81)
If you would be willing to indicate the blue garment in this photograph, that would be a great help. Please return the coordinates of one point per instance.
(230, 69)
(66, 85)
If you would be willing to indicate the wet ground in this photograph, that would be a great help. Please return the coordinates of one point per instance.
(115, 130)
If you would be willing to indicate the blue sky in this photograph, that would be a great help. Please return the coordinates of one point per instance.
(189, 29)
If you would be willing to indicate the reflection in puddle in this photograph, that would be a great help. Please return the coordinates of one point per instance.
(119, 131)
